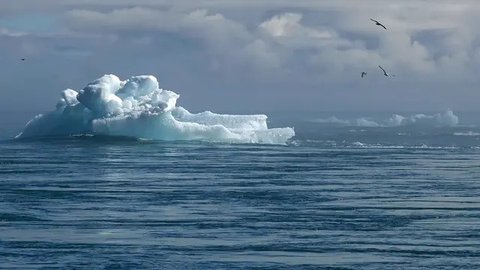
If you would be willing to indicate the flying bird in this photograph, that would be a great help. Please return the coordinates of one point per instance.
(378, 23)
(364, 74)
(23, 59)
(385, 73)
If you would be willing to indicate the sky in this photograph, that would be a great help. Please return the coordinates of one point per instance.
(248, 55)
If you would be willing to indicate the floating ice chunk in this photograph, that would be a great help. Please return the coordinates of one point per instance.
(139, 108)
(468, 133)
(332, 120)
(396, 120)
(363, 122)
(447, 118)
(358, 144)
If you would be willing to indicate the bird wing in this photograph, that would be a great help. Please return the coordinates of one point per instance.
(384, 72)
(378, 23)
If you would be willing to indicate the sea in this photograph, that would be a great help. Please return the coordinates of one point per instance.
(344, 193)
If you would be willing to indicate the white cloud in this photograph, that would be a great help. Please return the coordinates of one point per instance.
(288, 29)
(281, 42)
(8, 33)
(282, 25)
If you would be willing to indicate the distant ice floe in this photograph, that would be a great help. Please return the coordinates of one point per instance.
(445, 119)
(381, 146)
(467, 133)
(332, 120)
(139, 108)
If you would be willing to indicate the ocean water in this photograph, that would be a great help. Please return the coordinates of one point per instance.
(338, 196)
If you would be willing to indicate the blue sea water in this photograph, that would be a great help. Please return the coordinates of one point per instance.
(335, 197)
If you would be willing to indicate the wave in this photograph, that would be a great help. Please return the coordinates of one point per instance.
(139, 108)
(387, 146)
(445, 119)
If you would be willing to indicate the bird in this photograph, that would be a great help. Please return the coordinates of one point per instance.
(23, 59)
(385, 73)
(364, 74)
(378, 23)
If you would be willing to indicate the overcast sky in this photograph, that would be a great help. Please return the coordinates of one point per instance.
(247, 55)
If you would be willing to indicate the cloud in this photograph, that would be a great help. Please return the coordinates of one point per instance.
(316, 47)
(220, 36)
(8, 33)
(193, 24)
(288, 30)
(69, 50)
(292, 40)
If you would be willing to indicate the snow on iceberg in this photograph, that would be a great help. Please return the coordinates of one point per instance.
(139, 108)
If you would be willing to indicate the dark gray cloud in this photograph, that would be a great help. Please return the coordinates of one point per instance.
(249, 55)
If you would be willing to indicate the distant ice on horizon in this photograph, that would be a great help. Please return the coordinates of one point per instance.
(139, 108)
(445, 119)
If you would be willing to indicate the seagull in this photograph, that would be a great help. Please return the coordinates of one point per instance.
(385, 73)
(378, 23)
(364, 74)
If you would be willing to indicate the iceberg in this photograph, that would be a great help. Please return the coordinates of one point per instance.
(445, 119)
(139, 108)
